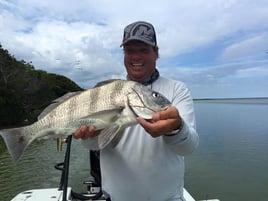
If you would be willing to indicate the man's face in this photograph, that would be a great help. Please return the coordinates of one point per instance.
(139, 60)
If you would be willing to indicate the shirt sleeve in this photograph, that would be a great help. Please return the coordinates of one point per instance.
(186, 140)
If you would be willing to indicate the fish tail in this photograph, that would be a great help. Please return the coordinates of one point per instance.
(15, 141)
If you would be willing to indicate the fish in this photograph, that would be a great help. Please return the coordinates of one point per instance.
(110, 106)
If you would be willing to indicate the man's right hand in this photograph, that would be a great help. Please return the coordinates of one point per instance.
(85, 132)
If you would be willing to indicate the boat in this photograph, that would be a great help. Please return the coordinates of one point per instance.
(54, 194)
(63, 192)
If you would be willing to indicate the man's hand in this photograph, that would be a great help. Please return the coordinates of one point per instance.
(162, 122)
(85, 132)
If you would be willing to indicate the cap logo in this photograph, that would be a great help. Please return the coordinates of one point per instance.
(143, 31)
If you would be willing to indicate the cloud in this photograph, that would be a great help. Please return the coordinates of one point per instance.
(202, 43)
(247, 48)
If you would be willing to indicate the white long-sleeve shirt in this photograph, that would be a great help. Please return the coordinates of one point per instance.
(143, 168)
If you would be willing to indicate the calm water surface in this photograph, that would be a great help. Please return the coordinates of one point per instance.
(232, 160)
(231, 163)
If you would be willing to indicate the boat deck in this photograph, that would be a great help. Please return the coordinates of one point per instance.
(53, 194)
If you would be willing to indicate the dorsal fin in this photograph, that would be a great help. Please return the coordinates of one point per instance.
(66, 96)
(99, 84)
(57, 102)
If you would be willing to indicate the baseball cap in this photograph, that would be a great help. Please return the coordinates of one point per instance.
(140, 30)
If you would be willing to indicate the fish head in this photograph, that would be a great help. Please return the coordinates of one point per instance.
(144, 101)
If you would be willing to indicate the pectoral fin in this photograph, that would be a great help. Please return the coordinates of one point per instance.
(105, 121)
(116, 139)
(110, 137)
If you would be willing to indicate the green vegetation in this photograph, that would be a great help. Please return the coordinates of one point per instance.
(25, 92)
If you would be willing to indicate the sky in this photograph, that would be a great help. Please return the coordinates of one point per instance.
(218, 48)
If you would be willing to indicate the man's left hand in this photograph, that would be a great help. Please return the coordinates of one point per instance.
(162, 122)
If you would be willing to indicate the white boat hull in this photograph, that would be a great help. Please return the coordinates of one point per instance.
(54, 194)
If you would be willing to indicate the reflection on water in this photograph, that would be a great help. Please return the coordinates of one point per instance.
(231, 162)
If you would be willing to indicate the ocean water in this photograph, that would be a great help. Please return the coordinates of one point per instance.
(230, 164)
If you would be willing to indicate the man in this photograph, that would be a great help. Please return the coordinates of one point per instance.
(148, 163)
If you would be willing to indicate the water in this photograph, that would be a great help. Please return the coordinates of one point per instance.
(232, 160)
(230, 164)
(36, 169)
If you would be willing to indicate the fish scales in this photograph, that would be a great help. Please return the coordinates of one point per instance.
(111, 107)
(61, 117)
(112, 94)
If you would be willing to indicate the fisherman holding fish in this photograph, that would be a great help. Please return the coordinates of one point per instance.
(143, 126)
(147, 163)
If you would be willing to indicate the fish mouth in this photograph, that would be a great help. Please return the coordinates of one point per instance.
(147, 117)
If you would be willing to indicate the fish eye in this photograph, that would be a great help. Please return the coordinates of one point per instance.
(155, 94)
